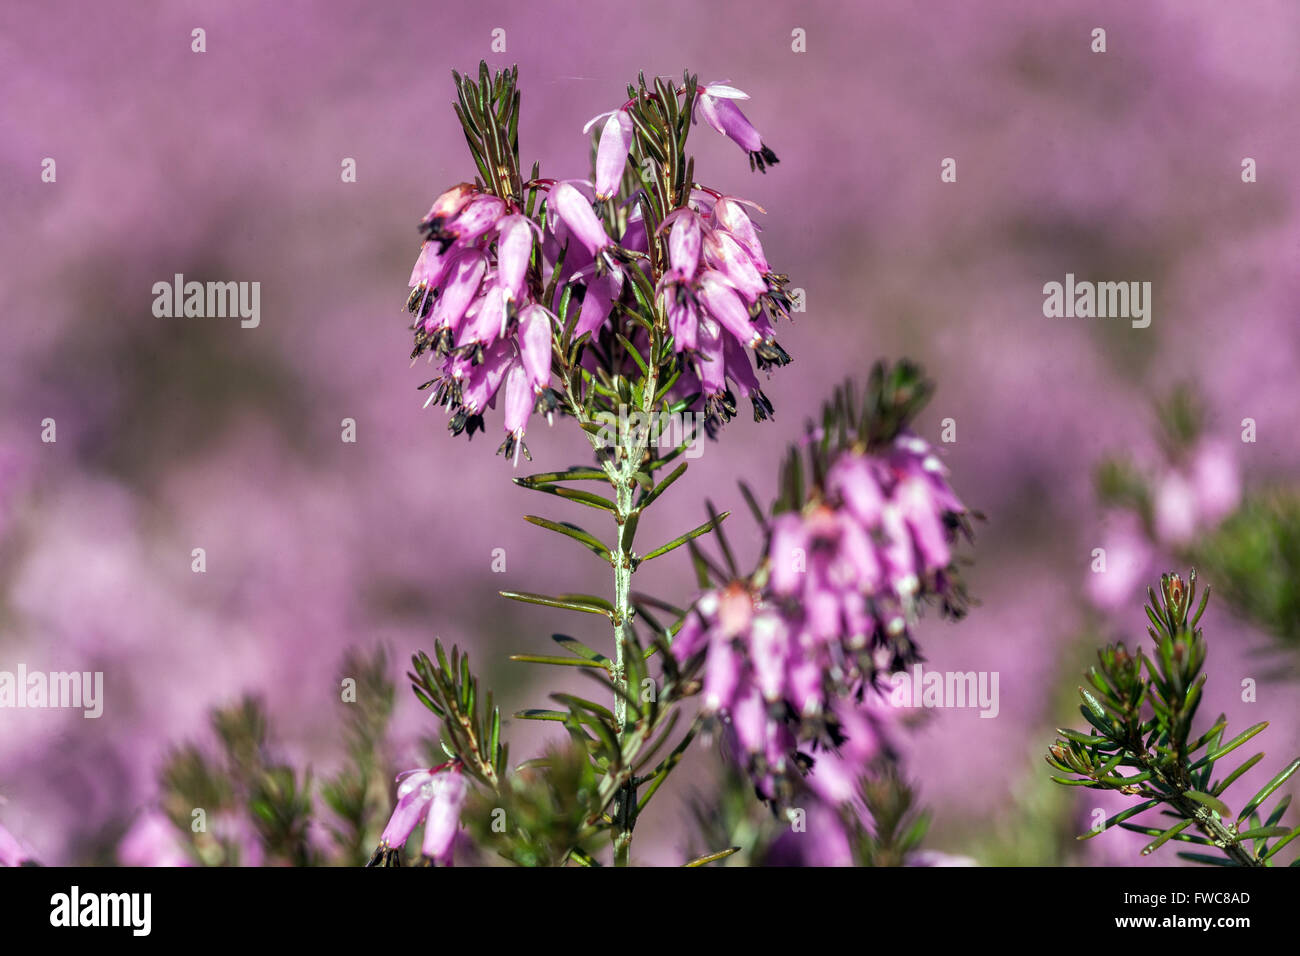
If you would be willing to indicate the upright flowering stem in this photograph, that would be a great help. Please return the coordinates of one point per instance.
(621, 475)
(621, 468)
(621, 313)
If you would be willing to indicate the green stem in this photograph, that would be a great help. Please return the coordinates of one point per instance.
(621, 475)
(1224, 837)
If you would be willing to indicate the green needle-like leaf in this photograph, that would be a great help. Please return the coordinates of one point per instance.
(1165, 837)
(1207, 800)
(586, 603)
(1082, 738)
(663, 486)
(1118, 818)
(712, 857)
(1232, 777)
(585, 538)
(1263, 833)
(573, 494)
(575, 646)
(688, 536)
(1231, 745)
(583, 704)
(558, 661)
(1282, 842)
(1268, 789)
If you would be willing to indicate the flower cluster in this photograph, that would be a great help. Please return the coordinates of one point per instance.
(856, 560)
(474, 309)
(792, 655)
(1198, 495)
(719, 293)
(435, 797)
(720, 296)
(715, 103)
(491, 276)
(774, 699)
(1164, 510)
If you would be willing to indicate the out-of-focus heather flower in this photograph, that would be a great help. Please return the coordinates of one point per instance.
(152, 841)
(1188, 497)
(12, 853)
(792, 654)
(938, 858)
(717, 106)
(1216, 480)
(1175, 509)
(1129, 556)
(825, 840)
(859, 556)
(434, 797)
(792, 709)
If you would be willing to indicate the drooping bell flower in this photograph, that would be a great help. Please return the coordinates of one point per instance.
(717, 105)
(722, 673)
(729, 214)
(420, 792)
(514, 250)
(611, 152)
(683, 315)
(482, 379)
(924, 519)
(413, 796)
(462, 285)
(535, 325)
(486, 319)
(729, 259)
(863, 729)
(598, 292)
(855, 480)
(742, 376)
(722, 301)
(450, 791)
(572, 208)
(429, 269)
(787, 554)
(445, 208)
(685, 241)
(478, 217)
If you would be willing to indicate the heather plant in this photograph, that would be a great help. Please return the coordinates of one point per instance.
(242, 803)
(1142, 742)
(1193, 506)
(638, 306)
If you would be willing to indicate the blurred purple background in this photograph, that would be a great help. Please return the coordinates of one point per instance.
(174, 434)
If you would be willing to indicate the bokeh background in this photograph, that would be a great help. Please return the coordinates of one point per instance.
(174, 434)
